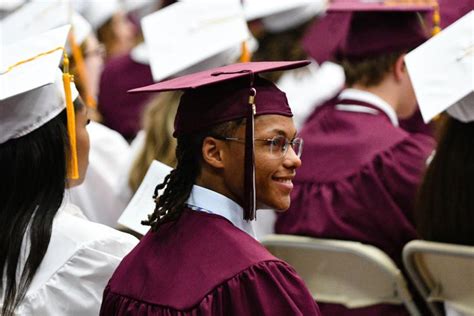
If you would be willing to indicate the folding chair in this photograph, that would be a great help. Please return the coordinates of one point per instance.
(343, 272)
(442, 273)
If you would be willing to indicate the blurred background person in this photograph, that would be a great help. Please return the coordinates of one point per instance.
(361, 170)
(445, 203)
(280, 37)
(122, 111)
(112, 26)
(279, 29)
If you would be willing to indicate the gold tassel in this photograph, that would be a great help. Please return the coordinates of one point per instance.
(82, 71)
(436, 20)
(72, 167)
(245, 55)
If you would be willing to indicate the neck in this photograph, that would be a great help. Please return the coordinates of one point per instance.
(386, 90)
(216, 183)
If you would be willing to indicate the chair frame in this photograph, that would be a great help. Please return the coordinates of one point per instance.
(367, 252)
(419, 247)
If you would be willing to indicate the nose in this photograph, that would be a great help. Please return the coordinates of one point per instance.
(292, 161)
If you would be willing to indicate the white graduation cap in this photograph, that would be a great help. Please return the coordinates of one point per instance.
(294, 17)
(37, 17)
(442, 71)
(31, 85)
(99, 11)
(10, 5)
(188, 33)
(257, 9)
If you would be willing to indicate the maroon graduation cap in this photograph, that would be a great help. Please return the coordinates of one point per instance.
(357, 29)
(225, 94)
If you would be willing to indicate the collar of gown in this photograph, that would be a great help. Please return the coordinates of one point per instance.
(205, 200)
(364, 96)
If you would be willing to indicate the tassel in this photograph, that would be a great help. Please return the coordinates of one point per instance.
(249, 164)
(245, 55)
(72, 168)
(436, 20)
(81, 71)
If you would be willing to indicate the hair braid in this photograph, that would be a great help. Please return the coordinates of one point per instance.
(179, 183)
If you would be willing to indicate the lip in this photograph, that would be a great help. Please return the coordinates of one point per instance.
(284, 183)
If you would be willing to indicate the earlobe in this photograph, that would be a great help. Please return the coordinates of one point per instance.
(212, 152)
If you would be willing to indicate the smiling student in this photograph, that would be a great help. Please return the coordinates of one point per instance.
(201, 256)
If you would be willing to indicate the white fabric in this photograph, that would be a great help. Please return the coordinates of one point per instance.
(208, 201)
(364, 96)
(451, 311)
(293, 18)
(309, 87)
(125, 192)
(99, 195)
(264, 224)
(39, 16)
(99, 12)
(463, 111)
(24, 113)
(80, 259)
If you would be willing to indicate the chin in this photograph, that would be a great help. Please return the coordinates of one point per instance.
(278, 206)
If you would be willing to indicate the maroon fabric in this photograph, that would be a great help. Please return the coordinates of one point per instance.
(203, 265)
(362, 33)
(357, 182)
(415, 124)
(121, 110)
(221, 74)
(201, 108)
(452, 11)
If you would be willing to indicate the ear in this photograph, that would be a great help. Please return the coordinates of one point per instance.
(399, 68)
(212, 152)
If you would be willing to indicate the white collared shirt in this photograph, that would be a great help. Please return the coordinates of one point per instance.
(364, 96)
(205, 200)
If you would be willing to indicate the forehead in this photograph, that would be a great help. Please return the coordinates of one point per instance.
(274, 124)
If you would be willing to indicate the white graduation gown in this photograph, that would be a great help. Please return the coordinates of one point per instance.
(99, 195)
(80, 259)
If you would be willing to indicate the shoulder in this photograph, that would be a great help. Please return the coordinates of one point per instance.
(195, 254)
(78, 232)
(80, 259)
(265, 288)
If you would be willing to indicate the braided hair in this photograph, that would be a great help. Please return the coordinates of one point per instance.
(179, 183)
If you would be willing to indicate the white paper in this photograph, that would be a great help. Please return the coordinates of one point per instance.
(142, 202)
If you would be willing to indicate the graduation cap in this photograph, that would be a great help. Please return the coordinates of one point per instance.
(442, 72)
(357, 29)
(33, 90)
(99, 12)
(37, 17)
(192, 32)
(294, 16)
(225, 94)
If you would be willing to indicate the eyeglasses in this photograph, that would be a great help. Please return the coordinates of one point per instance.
(278, 145)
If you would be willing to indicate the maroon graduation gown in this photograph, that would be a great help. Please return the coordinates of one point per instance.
(121, 110)
(358, 182)
(204, 265)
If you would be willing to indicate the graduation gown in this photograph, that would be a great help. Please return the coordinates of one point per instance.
(121, 110)
(80, 259)
(204, 265)
(359, 178)
(99, 196)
